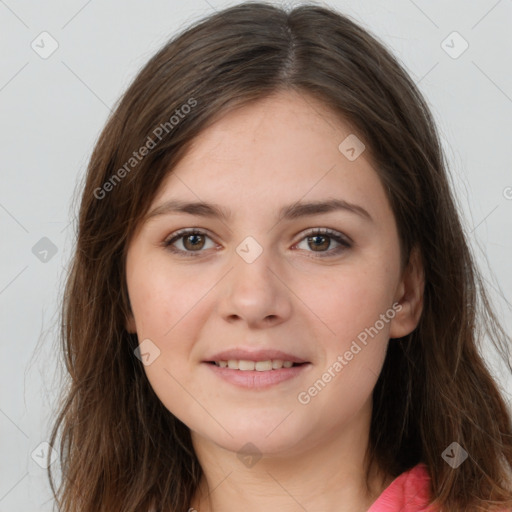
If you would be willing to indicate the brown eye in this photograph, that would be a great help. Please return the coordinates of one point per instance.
(192, 241)
(319, 241)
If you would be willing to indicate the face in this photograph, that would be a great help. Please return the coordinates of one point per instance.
(270, 281)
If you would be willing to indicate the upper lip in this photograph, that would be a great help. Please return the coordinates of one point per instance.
(254, 355)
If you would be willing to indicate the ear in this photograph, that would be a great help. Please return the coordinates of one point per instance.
(130, 324)
(409, 295)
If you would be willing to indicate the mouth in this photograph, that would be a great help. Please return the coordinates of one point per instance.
(252, 369)
(244, 365)
(257, 375)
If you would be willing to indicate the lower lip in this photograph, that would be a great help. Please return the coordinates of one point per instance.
(254, 379)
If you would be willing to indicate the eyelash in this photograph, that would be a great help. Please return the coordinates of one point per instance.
(345, 244)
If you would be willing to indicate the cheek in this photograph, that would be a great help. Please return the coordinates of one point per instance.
(164, 302)
(354, 348)
(168, 308)
(355, 306)
(162, 297)
(352, 300)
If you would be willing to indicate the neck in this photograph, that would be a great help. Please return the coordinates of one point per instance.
(327, 476)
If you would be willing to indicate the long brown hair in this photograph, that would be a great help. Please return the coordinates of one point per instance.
(120, 448)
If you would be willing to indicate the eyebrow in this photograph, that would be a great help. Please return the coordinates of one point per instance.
(289, 212)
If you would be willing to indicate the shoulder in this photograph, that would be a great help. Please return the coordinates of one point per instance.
(408, 492)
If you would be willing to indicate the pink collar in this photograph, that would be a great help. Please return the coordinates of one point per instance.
(408, 492)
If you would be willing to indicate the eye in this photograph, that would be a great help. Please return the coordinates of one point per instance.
(321, 239)
(193, 241)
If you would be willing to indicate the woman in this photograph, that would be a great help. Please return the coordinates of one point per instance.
(218, 362)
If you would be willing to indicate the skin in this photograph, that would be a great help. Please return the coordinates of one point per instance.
(282, 149)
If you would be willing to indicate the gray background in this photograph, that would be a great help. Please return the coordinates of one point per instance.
(53, 109)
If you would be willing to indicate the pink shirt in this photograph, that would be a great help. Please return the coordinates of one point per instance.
(408, 492)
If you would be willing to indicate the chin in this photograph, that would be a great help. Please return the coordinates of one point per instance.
(268, 435)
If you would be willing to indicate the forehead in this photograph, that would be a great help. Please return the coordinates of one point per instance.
(283, 149)
(276, 123)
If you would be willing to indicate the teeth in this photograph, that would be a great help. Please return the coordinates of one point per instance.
(263, 366)
(245, 365)
(260, 366)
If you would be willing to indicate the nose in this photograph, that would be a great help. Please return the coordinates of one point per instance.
(255, 292)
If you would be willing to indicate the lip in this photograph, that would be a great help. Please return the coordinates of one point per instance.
(254, 355)
(253, 379)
